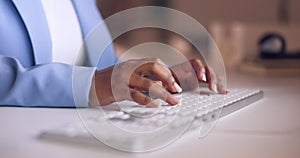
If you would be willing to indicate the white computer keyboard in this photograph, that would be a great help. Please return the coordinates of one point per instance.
(118, 121)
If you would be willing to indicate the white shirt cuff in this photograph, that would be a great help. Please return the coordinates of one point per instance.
(82, 85)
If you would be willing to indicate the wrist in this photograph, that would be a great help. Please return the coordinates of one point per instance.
(102, 87)
(93, 100)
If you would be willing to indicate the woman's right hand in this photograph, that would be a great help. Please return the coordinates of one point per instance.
(128, 81)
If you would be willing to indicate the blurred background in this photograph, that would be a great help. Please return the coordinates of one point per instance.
(257, 11)
(237, 26)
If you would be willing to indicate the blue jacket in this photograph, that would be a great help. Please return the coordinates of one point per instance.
(27, 75)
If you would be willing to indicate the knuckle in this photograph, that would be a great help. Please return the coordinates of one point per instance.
(155, 66)
(197, 61)
(158, 60)
(155, 59)
(147, 83)
(133, 94)
(146, 100)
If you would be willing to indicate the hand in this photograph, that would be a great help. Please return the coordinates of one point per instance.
(189, 74)
(128, 81)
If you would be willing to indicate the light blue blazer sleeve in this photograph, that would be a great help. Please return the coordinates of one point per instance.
(43, 85)
(27, 75)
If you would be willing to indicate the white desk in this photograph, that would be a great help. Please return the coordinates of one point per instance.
(268, 128)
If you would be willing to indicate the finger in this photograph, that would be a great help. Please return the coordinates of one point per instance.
(215, 82)
(220, 86)
(162, 73)
(141, 99)
(221, 89)
(159, 83)
(158, 91)
(185, 74)
(155, 88)
(211, 79)
(141, 83)
(199, 69)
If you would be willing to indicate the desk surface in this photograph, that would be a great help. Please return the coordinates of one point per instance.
(268, 128)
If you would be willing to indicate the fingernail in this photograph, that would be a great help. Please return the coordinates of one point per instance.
(203, 76)
(177, 87)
